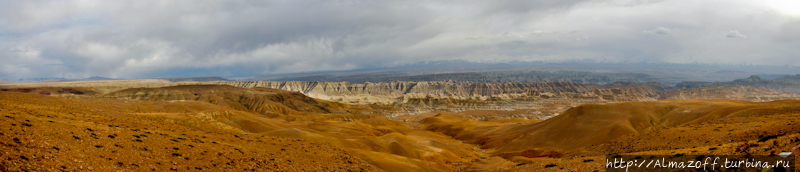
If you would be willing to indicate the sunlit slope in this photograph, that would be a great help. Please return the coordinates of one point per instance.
(223, 127)
(271, 102)
(226, 116)
(388, 144)
(595, 124)
(372, 137)
(772, 127)
(43, 133)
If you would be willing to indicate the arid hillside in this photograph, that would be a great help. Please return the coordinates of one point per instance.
(216, 127)
(539, 100)
(264, 101)
(720, 127)
(42, 133)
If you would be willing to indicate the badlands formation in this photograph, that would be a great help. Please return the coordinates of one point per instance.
(160, 125)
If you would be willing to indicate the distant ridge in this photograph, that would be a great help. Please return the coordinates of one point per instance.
(99, 78)
(195, 79)
(583, 71)
(487, 77)
(790, 83)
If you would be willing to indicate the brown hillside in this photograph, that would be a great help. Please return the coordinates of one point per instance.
(42, 133)
(65, 92)
(595, 124)
(212, 127)
(236, 117)
(265, 101)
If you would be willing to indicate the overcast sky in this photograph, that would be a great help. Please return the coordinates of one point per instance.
(143, 38)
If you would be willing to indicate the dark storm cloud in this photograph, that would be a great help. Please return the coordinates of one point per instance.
(78, 39)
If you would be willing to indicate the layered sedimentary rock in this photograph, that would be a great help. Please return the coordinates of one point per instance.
(657, 87)
(399, 87)
(734, 92)
(403, 91)
(693, 84)
(462, 76)
(614, 94)
(641, 93)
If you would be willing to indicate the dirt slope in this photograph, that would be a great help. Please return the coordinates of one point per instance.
(43, 133)
(223, 117)
(661, 127)
(214, 127)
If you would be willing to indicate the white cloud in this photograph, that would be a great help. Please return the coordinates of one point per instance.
(658, 31)
(144, 38)
(735, 34)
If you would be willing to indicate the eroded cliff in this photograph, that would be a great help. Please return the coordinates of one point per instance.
(400, 91)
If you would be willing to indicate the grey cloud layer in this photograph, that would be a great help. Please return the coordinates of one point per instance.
(141, 38)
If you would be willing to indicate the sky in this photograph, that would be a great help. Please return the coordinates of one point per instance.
(157, 38)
